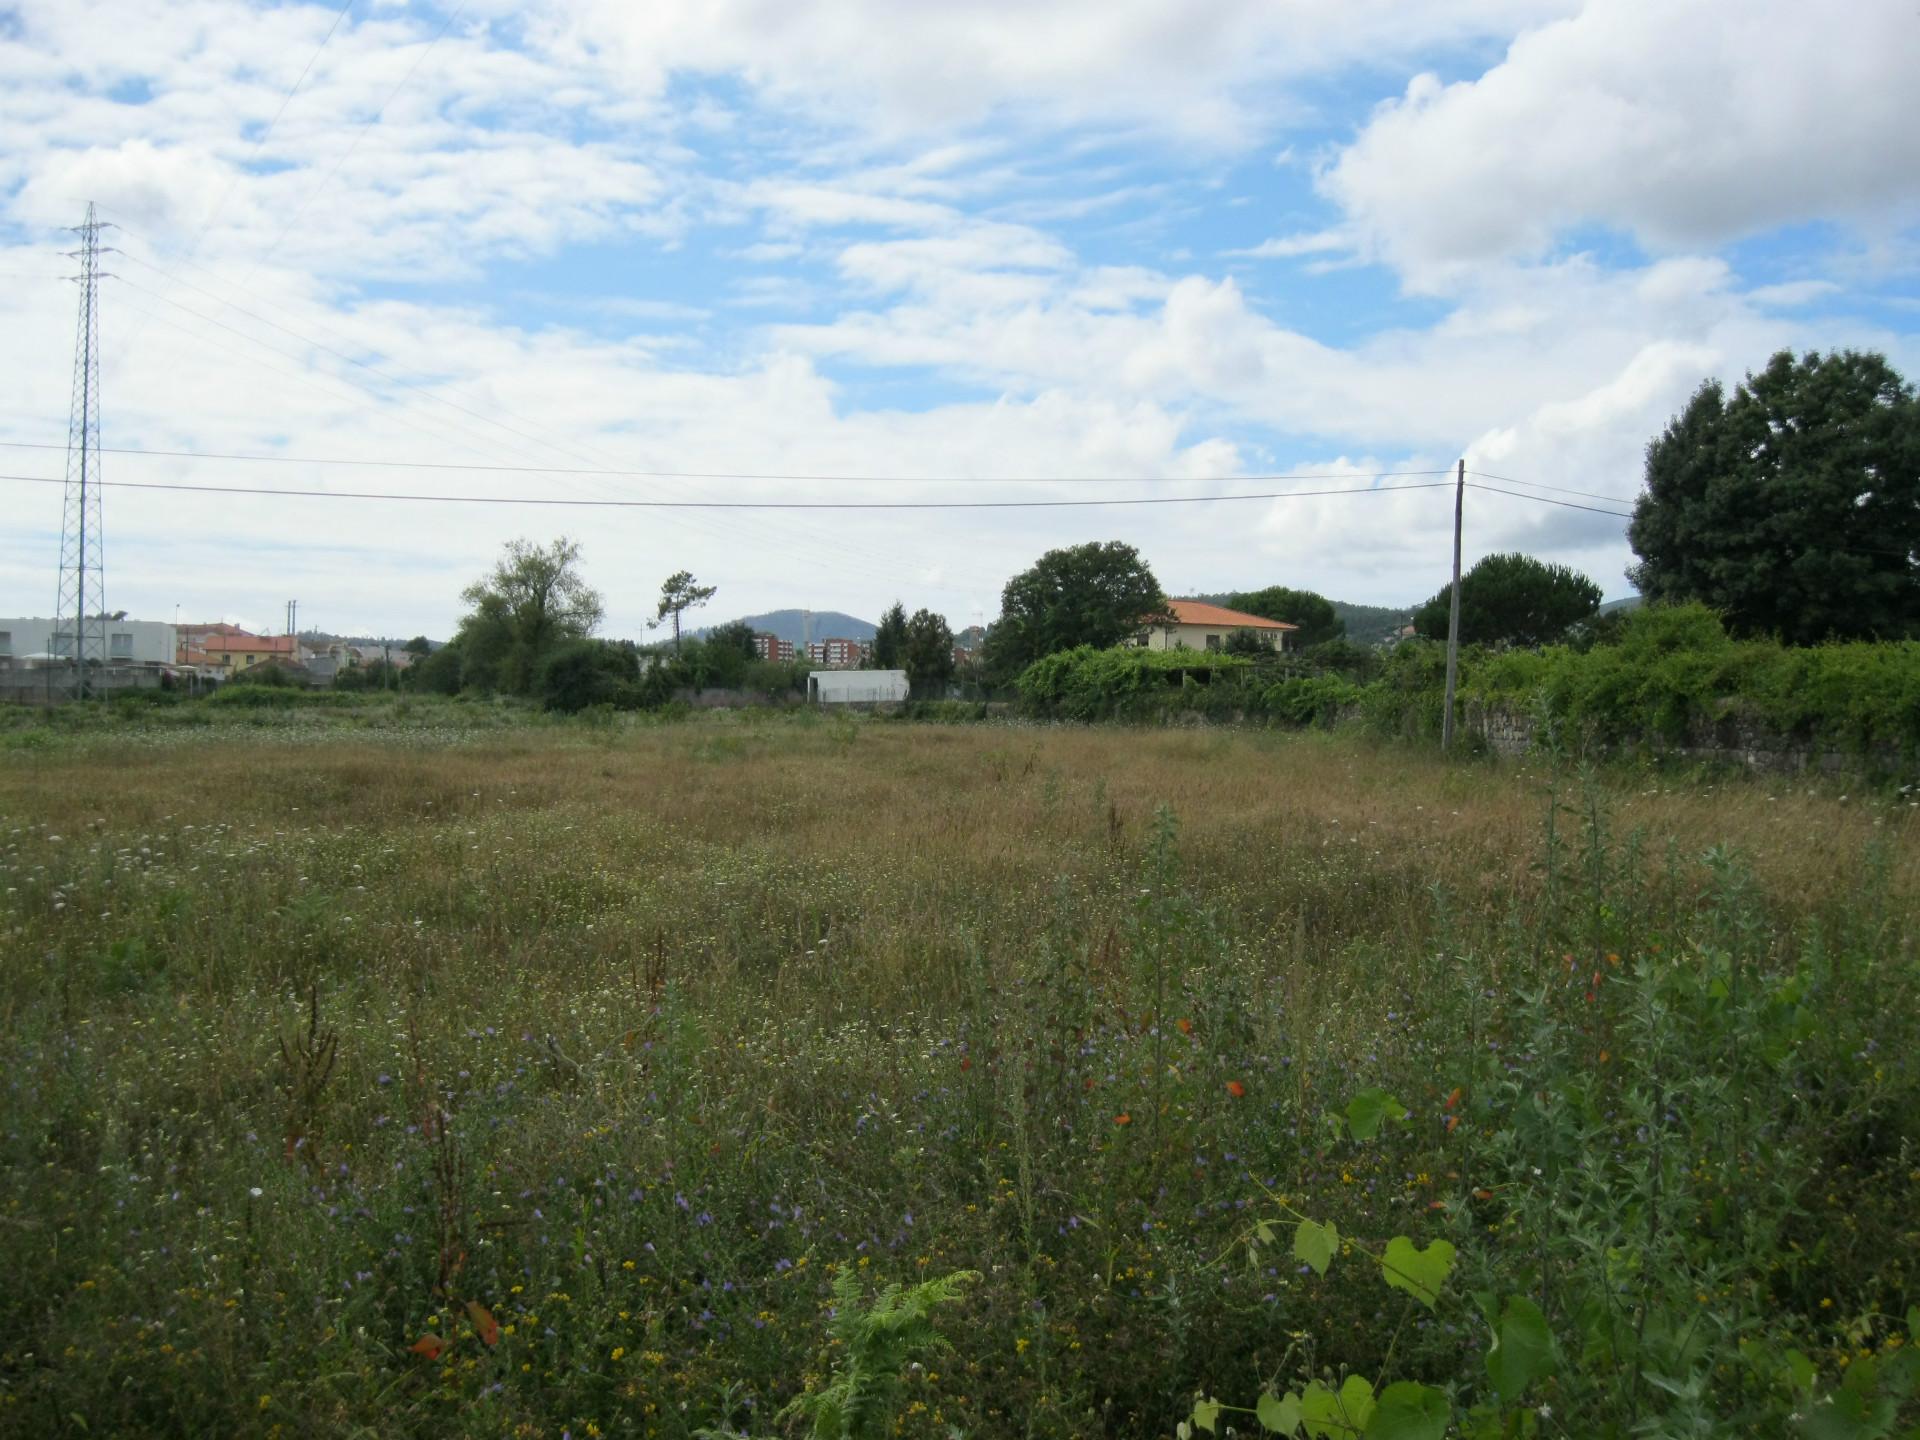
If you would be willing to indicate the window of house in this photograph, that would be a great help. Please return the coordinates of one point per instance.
(120, 645)
(1213, 642)
(6, 642)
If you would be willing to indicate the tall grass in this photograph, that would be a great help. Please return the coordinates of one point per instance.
(332, 1045)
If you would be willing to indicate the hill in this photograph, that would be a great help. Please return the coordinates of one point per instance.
(793, 625)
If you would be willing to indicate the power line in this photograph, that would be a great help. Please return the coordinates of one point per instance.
(739, 474)
(1557, 489)
(234, 180)
(734, 504)
(819, 543)
(359, 135)
(1545, 500)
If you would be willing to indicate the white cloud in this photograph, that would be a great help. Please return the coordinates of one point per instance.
(1681, 122)
(1203, 72)
(1289, 247)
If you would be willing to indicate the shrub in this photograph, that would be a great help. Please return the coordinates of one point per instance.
(1089, 684)
(580, 673)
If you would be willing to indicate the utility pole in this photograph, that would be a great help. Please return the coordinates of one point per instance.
(1453, 616)
(80, 612)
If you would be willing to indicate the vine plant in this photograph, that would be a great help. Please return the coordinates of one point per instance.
(1521, 1352)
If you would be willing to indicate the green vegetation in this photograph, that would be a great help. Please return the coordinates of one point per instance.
(1658, 677)
(432, 1067)
(1794, 507)
(1314, 614)
(1511, 600)
(1097, 594)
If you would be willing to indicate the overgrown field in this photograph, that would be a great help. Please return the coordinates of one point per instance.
(415, 1078)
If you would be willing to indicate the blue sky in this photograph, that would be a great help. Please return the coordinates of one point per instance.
(922, 253)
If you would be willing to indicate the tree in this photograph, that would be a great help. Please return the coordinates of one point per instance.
(735, 635)
(1313, 613)
(1794, 507)
(927, 655)
(419, 647)
(533, 601)
(1512, 600)
(677, 593)
(1252, 643)
(579, 673)
(438, 673)
(1095, 594)
(890, 638)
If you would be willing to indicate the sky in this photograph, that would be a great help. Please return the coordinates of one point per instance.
(858, 252)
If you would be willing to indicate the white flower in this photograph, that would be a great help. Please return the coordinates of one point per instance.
(256, 1192)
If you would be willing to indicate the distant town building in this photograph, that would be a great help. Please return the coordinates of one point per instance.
(841, 654)
(772, 647)
(31, 640)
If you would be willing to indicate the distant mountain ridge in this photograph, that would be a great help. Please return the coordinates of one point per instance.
(795, 627)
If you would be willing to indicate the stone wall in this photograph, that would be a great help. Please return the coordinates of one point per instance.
(1732, 739)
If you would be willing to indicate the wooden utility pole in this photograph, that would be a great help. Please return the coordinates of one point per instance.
(1453, 617)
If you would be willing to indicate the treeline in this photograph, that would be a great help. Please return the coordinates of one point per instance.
(1664, 675)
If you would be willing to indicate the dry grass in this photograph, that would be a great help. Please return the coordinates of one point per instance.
(778, 935)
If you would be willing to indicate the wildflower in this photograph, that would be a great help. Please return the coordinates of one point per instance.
(618, 1351)
(1186, 1026)
(256, 1192)
(1236, 1089)
(1123, 1118)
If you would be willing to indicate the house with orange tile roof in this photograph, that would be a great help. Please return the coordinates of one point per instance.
(1196, 625)
(229, 654)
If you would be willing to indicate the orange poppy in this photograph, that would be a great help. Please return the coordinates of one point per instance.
(1452, 1121)
(1123, 1118)
(1236, 1089)
(429, 1345)
(1454, 1098)
(484, 1325)
(1186, 1026)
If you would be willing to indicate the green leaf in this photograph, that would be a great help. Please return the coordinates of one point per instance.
(1800, 1371)
(1315, 1243)
(1522, 1349)
(1410, 1412)
(1356, 1402)
(1263, 1232)
(1421, 1273)
(1205, 1414)
(1281, 1417)
(1367, 1109)
(1847, 1415)
(1341, 1416)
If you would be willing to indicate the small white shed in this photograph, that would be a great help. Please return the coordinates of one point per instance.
(856, 687)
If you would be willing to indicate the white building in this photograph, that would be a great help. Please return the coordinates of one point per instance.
(856, 687)
(31, 640)
(1196, 625)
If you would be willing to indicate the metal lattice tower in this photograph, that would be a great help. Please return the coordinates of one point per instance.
(80, 615)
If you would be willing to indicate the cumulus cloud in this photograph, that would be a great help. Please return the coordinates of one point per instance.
(902, 219)
(1680, 122)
